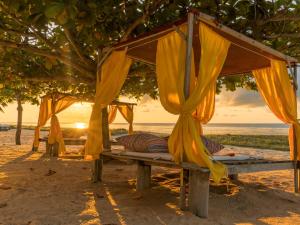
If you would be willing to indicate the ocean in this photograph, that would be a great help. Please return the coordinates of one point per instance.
(216, 128)
(212, 128)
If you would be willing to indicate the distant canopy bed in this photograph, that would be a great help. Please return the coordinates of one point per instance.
(189, 56)
(54, 103)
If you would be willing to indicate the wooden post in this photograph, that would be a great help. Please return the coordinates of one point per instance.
(188, 60)
(296, 166)
(55, 147)
(199, 193)
(105, 129)
(233, 177)
(143, 178)
(98, 163)
(97, 170)
(184, 173)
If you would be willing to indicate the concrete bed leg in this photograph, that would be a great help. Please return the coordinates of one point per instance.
(198, 193)
(143, 178)
(97, 170)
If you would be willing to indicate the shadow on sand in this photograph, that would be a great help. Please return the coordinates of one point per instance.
(67, 196)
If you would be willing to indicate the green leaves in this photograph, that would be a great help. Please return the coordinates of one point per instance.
(94, 23)
(54, 9)
(60, 11)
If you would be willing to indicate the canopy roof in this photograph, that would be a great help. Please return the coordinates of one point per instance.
(244, 55)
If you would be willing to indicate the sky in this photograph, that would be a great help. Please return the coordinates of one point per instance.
(240, 106)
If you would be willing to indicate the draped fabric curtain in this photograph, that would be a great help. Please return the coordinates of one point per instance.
(276, 89)
(126, 111)
(112, 112)
(205, 110)
(113, 73)
(44, 115)
(184, 142)
(50, 106)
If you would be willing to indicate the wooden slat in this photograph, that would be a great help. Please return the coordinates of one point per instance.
(251, 168)
(242, 166)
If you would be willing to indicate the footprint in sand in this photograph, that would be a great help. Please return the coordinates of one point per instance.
(2, 205)
(50, 172)
(4, 187)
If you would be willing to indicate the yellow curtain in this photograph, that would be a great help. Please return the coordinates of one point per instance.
(205, 110)
(112, 112)
(125, 110)
(184, 142)
(275, 87)
(50, 106)
(44, 115)
(113, 73)
(127, 113)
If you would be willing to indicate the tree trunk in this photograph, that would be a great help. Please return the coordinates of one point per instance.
(19, 122)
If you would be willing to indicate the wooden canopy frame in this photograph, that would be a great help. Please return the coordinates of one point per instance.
(244, 55)
(52, 149)
(254, 54)
(62, 95)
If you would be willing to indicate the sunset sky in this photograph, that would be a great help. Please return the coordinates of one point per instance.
(241, 106)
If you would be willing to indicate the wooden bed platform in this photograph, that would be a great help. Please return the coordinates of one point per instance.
(196, 200)
(52, 149)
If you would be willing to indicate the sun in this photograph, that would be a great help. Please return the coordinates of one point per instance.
(80, 125)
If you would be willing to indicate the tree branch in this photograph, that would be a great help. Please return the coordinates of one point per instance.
(60, 77)
(147, 12)
(16, 32)
(37, 33)
(293, 35)
(284, 18)
(76, 48)
(90, 72)
(129, 30)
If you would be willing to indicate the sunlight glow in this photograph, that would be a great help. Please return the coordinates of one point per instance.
(80, 125)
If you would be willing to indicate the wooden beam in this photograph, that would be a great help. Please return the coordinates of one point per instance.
(212, 22)
(98, 164)
(296, 168)
(251, 168)
(242, 166)
(188, 61)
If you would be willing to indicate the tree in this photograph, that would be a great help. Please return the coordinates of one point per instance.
(63, 36)
(19, 92)
(19, 83)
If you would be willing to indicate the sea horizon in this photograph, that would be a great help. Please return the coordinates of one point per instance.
(211, 128)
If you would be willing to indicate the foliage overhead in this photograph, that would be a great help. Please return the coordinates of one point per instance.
(62, 40)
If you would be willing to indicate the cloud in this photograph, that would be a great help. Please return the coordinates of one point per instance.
(146, 99)
(240, 97)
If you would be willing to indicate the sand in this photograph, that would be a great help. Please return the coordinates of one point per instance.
(37, 190)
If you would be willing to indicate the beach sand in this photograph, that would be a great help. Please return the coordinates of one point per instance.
(35, 189)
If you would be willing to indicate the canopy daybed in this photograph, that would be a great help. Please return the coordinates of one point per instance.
(190, 55)
(54, 103)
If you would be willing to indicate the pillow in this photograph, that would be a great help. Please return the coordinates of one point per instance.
(212, 147)
(143, 142)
